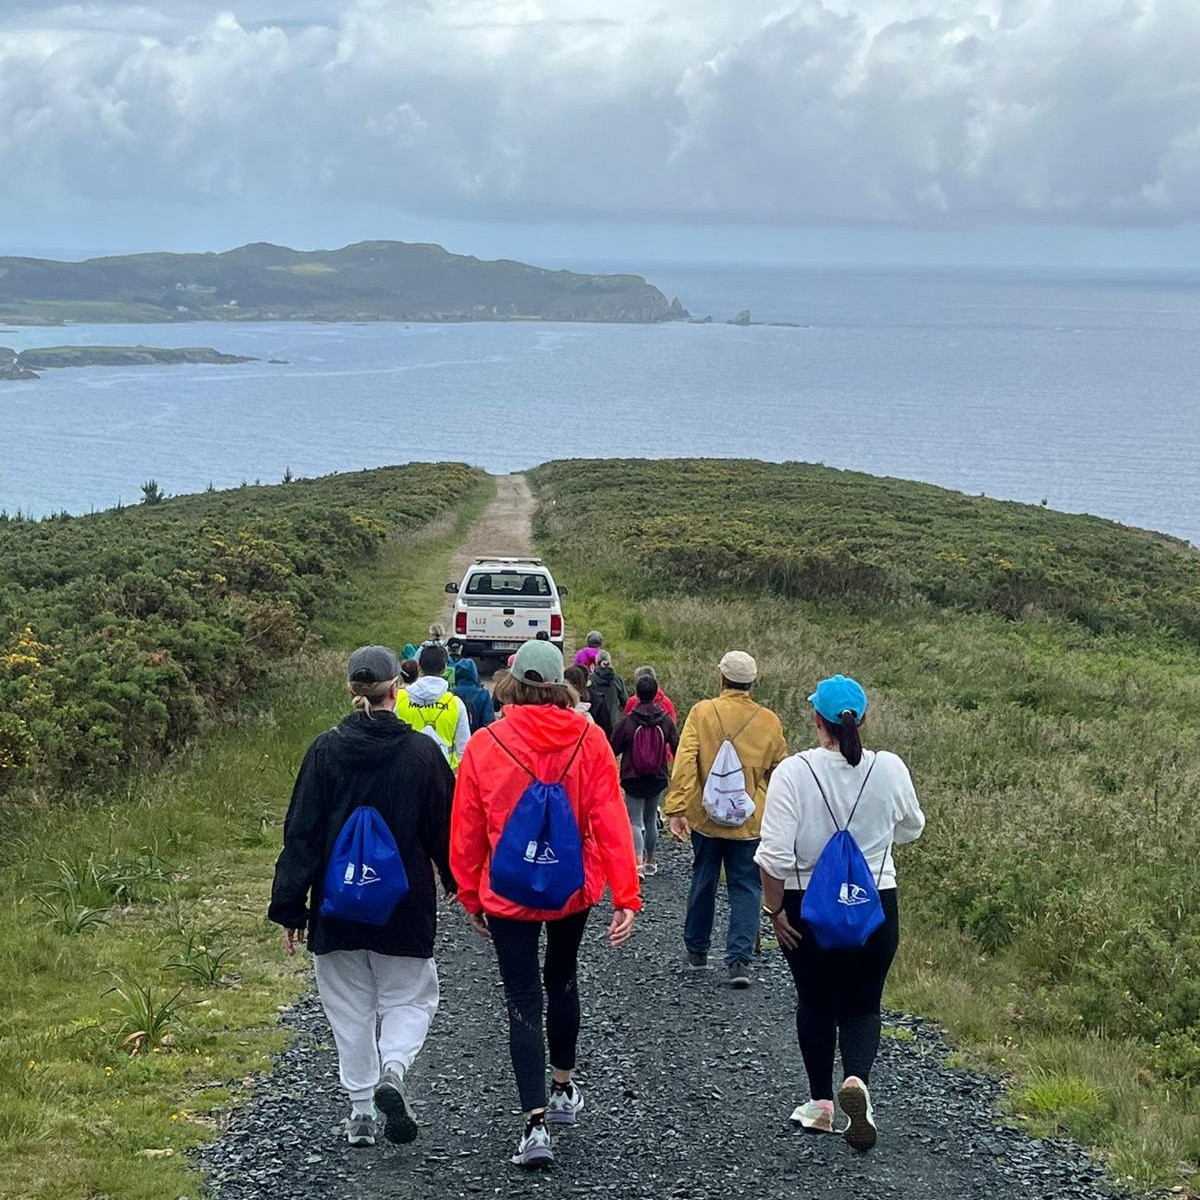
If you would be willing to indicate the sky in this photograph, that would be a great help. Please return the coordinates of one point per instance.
(942, 131)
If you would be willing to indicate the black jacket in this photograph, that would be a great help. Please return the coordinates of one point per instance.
(643, 786)
(377, 761)
(608, 694)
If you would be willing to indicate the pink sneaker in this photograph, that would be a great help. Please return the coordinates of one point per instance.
(816, 1116)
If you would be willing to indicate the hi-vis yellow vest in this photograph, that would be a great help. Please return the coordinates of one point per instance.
(441, 716)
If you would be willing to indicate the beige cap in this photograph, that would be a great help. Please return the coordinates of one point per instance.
(738, 667)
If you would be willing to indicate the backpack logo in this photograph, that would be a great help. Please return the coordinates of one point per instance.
(545, 858)
(853, 893)
(365, 878)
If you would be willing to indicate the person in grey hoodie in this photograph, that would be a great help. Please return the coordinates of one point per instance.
(432, 709)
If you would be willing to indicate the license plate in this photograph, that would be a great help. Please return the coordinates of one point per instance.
(506, 645)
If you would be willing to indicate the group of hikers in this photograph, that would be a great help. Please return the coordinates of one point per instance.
(528, 814)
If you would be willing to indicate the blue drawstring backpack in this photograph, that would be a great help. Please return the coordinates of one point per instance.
(538, 861)
(365, 879)
(841, 903)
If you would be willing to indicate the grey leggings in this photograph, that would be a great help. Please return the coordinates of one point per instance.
(643, 819)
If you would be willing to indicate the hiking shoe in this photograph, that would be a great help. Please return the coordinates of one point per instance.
(739, 975)
(698, 962)
(390, 1099)
(361, 1129)
(534, 1149)
(565, 1105)
(855, 1102)
(815, 1116)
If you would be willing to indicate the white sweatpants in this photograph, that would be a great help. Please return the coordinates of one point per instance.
(363, 992)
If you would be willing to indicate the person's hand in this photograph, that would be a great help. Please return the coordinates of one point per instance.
(789, 936)
(291, 939)
(680, 829)
(480, 925)
(620, 927)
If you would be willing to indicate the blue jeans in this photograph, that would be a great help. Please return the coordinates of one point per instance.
(742, 882)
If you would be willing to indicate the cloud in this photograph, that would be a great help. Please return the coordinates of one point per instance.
(913, 113)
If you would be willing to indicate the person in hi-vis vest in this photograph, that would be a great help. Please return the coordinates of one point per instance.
(431, 708)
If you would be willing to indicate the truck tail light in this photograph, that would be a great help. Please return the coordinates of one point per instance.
(555, 625)
(460, 622)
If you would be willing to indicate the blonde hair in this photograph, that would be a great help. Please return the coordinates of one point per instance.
(366, 696)
(437, 633)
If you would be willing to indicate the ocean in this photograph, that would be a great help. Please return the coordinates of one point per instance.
(1077, 389)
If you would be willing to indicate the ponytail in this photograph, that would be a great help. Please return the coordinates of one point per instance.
(366, 696)
(846, 735)
(848, 740)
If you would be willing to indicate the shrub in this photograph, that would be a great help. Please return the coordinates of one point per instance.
(121, 632)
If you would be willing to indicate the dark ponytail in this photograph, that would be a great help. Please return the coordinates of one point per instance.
(846, 735)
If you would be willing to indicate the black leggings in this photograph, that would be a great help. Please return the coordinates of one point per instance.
(838, 996)
(516, 945)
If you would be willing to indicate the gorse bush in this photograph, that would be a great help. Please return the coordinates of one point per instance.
(120, 632)
(815, 533)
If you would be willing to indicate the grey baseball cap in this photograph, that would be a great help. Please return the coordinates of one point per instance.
(538, 663)
(373, 664)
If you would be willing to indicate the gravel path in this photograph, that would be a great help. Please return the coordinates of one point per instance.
(688, 1084)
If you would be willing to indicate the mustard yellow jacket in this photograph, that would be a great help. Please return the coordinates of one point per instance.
(757, 736)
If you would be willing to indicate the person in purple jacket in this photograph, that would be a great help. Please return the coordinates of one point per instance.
(586, 658)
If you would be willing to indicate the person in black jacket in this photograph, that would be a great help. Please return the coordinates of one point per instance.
(607, 693)
(369, 974)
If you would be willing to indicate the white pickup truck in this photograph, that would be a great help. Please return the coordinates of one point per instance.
(502, 602)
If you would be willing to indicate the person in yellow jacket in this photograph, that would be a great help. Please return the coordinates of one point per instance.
(757, 739)
(431, 708)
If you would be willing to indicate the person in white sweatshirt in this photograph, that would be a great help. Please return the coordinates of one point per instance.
(838, 992)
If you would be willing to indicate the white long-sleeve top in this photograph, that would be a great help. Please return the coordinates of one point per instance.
(796, 824)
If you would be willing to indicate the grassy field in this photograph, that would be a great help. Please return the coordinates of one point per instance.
(139, 982)
(1041, 675)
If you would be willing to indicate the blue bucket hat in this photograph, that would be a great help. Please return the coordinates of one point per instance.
(837, 695)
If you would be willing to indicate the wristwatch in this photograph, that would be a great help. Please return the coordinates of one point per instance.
(772, 912)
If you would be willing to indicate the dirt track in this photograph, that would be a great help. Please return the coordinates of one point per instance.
(504, 527)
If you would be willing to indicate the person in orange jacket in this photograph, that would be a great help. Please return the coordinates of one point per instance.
(542, 737)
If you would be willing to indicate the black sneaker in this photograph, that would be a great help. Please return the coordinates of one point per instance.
(698, 962)
(390, 1099)
(739, 975)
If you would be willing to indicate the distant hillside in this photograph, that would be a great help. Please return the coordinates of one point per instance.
(369, 281)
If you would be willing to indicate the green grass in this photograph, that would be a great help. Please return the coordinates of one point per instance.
(1052, 909)
(121, 1041)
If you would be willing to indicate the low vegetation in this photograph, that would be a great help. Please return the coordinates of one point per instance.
(1041, 674)
(121, 633)
(141, 985)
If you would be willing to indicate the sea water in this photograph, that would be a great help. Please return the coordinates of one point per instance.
(1076, 389)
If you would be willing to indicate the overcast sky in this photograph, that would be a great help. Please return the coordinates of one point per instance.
(902, 130)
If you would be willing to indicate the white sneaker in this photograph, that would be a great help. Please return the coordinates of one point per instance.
(534, 1149)
(855, 1102)
(814, 1116)
(564, 1105)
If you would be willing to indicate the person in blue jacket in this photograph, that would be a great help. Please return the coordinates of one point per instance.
(476, 698)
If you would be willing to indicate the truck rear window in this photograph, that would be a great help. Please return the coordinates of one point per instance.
(507, 583)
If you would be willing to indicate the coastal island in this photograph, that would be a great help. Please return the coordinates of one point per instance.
(27, 363)
(368, 281)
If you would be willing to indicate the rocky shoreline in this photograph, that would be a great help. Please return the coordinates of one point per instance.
(27, 363)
